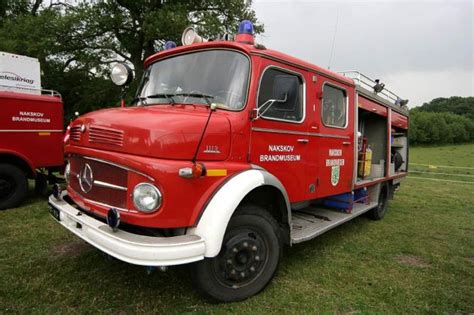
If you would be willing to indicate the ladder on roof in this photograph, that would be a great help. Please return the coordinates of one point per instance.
(368, 83)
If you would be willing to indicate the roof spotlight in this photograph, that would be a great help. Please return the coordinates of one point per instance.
(378, 87)
(400, 102)
(190, 36)
(121, 74)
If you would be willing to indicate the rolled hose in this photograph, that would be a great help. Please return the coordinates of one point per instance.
(397, 159)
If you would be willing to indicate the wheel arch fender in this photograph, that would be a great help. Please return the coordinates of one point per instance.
(218, 212)
(18, 159)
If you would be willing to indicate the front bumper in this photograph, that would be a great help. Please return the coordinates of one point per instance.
(132, 248)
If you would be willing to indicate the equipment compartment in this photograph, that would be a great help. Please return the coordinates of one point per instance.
(372, 134)
(399, 151)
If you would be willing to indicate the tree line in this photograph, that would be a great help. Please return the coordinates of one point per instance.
(77, 42)
(443, 121)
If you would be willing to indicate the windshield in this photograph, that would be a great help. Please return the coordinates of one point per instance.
(217, 76)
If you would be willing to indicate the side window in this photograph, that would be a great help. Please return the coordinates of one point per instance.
(281, 95)
(334, 109)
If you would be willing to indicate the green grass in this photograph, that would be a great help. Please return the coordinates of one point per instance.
(444, 162)
(451, 155)
(419, 259)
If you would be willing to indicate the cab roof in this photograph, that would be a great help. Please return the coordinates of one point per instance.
(255, 50)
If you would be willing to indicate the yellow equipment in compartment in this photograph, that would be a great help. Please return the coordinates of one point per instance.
(365, 163)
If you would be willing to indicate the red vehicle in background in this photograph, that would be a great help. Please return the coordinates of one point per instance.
(229, 152)
(31, 129)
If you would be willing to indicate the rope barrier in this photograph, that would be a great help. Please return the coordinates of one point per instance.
(436, 173)
(443, 166)
(441, 180)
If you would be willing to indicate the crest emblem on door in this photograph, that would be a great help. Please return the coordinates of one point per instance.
(335, 174)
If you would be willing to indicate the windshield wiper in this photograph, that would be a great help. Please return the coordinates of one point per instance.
(138, 99)
(169, 97)
(206, 97)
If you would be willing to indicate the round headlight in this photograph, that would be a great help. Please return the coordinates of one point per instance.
(67, 172)
(121, 74)
(146, 197)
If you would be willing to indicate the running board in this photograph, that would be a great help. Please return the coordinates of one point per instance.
(310, 222)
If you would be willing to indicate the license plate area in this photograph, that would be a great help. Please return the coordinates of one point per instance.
(54, 212)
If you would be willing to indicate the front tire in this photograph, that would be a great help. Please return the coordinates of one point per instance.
(248, 259)
(13, 186)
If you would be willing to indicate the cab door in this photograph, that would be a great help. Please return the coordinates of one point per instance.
(279, 137)
(332, 126)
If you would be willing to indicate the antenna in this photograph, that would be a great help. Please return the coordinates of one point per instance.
(334, 38)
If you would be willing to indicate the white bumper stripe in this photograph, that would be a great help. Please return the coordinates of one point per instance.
(131, 248)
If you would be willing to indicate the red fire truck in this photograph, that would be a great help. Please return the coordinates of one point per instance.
(229, 152)
(31, 129)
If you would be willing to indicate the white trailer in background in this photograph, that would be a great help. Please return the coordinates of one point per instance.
(19, 74)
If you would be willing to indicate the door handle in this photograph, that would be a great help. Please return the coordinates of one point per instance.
(346, 143)
(303, 140)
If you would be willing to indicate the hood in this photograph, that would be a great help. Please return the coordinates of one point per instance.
(162, 131)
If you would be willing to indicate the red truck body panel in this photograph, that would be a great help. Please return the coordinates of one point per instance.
(31, 127)
(152, 143)
(399, 120)
(372, 106)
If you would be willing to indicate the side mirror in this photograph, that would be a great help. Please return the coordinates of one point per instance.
(121, 74)
(284, 96)
(285, 90)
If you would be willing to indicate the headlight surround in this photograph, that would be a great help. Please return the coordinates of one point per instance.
(67, 172)
(146, 197)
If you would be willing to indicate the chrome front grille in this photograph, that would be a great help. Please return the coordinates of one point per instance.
(75, 133)
(107, 184)
(105, 136)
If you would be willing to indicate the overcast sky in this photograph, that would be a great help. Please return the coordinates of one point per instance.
(420, 49)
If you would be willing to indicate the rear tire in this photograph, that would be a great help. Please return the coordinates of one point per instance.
(248, 259)
(13, 186)
(379, 212)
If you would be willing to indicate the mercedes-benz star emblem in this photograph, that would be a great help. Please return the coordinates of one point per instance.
(86, 178)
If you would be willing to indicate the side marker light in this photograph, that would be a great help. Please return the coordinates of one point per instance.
(196, 171)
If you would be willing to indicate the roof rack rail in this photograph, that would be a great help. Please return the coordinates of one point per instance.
(51, 93)
(368, 83)
(7, 88)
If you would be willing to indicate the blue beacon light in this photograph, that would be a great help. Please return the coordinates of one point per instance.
(246, 27)
(170, 45)
(245, 33)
